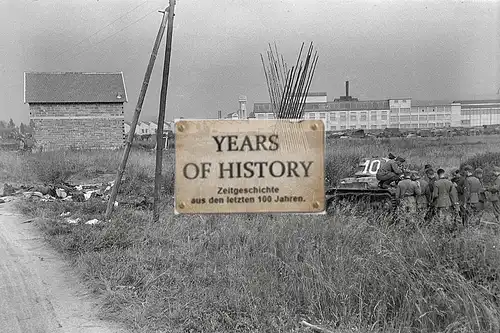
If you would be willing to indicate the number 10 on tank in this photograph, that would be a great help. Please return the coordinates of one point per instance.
(370, 167)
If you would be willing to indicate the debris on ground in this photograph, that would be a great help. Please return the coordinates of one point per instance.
(93, 221)
(65, 191)
(73, 221)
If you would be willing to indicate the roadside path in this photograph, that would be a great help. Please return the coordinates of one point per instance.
(39, 292)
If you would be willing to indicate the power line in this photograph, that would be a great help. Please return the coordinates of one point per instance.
(95, 33)
(143, 17)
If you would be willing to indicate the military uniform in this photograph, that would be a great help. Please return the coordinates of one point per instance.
(406, 194)
(431, 180)
(445, 194)
(425, 197)
(494, 196)
(478, 173)
(472, 187)
(389, 172)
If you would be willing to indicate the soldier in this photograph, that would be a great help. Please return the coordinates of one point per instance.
(478, 173)
(406, 194)
(390, 172)
(472, 187)
(494, 191)
(425, 196)
(446, 198)
(431, 180)
(459, 181)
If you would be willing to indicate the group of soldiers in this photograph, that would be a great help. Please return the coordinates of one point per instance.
(458, 198)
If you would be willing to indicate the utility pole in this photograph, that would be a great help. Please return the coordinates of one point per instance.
(137, 113)
(161, 114)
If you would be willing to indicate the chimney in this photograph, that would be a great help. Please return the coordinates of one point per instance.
(346, 88)
(219, 114)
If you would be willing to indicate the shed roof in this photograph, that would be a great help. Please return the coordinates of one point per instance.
(74, 87)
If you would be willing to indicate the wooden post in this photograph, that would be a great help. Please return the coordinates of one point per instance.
(161, 114)
(137, 113)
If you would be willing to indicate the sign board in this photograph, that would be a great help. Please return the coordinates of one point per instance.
(249, 166)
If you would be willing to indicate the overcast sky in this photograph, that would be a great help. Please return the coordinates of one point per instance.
(436, 50)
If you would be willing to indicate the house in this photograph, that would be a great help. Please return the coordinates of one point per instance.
(232, 116)
(126, 127)
(75, 110)
(142, 128)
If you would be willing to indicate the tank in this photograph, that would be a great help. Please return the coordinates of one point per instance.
(363, 188)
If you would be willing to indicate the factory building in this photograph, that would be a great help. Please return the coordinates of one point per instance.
(479, 113)
(348, 113)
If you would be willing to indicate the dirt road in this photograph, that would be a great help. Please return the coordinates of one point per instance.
(39, 292)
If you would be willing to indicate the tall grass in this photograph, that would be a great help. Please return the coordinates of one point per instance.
(264, 273)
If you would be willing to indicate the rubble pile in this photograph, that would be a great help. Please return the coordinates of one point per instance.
(70, 192)
(65, 192)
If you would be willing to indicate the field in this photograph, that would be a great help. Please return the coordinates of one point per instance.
(266, 273)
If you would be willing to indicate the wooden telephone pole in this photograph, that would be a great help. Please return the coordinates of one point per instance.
(161, 114)
(137, 113)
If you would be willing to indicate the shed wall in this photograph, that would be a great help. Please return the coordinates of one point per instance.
(78, 126)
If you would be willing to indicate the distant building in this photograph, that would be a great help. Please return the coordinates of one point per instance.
(76, 110)
(479, 113)
(348, 113)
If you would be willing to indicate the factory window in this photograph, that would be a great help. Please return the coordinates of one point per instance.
(333, 116)
(333, 127)
(353, 117)
(383, 126)
(422, 125)
(353, 126)
(373, 116)
(440, 109)
(363, 126)
(447, 109)
(373, 126)
(262, 116)
(439, 125)
(432, 117)
(486, 111)
(394, 119)
(343, 116)
(405, 110)
(270, 116)
(447, 124)
(414, 109)
(322, 115)
(466, 122)
(440, 116)
(384, 115)
(363, 116)
(424, 118)
(267, 107)
(432, 125)
(312, 115)
(342, 127)
(394, 110)
(414, 118)
(404, 118)
(412, 125)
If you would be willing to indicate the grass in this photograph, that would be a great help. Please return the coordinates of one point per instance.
(265, 273)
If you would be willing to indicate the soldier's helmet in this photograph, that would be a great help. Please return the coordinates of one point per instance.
(478, 172)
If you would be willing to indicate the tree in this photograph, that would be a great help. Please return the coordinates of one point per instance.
(11, 124)
(22, 128)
